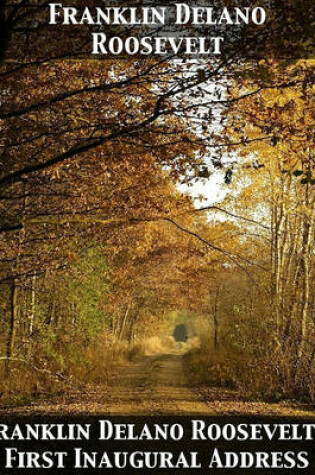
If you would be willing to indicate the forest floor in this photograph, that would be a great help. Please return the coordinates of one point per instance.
(156, 385)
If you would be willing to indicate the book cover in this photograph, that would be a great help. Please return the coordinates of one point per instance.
(157, 192)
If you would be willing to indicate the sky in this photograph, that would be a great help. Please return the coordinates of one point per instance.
(212, 189)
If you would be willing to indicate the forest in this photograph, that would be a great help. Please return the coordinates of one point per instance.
(108, 233)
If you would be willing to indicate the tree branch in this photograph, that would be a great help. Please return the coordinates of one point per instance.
(212, 246)
(233, 215)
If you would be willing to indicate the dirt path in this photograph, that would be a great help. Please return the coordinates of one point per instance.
(159, 385)
(156, 384)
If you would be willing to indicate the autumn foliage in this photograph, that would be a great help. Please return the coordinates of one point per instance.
(98, 246)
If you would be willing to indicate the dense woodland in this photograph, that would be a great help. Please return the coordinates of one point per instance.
(98, 246)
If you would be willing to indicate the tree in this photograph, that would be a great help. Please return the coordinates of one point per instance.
(281, 175)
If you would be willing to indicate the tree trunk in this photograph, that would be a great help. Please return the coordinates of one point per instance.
(33, 303)
(3, 31)
(122, 329)
(12, 329)
(215, 320)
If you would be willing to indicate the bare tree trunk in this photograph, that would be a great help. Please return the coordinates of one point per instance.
(305, 266)
(12, 329)
(4, 30)
(124, 322)
(33, 303)
(215, 319)
(51, 312)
